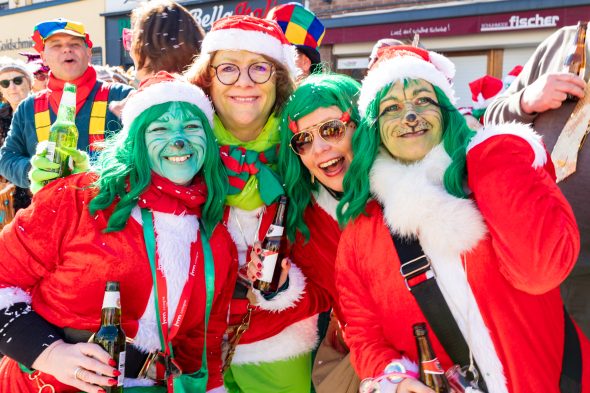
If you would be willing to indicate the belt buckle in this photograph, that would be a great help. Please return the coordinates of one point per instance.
(416, 267)
(148, 365)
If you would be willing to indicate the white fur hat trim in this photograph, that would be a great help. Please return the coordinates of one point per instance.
(162, 92)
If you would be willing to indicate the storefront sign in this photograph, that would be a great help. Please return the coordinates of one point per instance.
(11, 44)
(205, 16)
(525, 20)
(207, 12)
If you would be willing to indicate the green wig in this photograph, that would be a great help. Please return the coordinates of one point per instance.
(366, 142)
(316, 91)
(124, 171)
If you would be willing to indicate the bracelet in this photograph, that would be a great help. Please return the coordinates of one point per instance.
(395, 372)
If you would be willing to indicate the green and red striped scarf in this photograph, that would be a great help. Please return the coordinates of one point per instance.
(251, 166)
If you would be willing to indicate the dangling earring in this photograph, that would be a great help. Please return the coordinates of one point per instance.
(312, 178)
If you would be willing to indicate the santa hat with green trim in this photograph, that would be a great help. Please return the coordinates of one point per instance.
(401, 62)
(161, 88)
(249, 33)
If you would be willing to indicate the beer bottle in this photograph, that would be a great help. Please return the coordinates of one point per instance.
(271, 251)
(575, 60)
(63, 132)
(111, 336)
(431, 372)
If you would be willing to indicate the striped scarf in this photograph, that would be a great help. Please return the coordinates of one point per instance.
(251, 166)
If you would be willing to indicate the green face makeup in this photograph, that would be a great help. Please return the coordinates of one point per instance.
(410, 121)
(176, 145)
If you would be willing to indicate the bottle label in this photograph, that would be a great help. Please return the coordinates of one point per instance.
(432, 367)
(111, 300)
(121, 368)
(269, 261)
(68, 98)
(50, 151)
(275, 231)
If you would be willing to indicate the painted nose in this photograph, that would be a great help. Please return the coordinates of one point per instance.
(179, 143)
(411, 117)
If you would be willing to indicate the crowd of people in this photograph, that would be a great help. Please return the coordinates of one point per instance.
(402, 209)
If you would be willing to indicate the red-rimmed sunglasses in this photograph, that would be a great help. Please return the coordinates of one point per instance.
(126, 37)
(330, 131)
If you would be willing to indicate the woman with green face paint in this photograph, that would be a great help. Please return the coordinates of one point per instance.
(148, 218)
(247, 67)
(477, 215)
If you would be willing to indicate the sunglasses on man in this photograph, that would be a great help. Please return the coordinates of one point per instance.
(17, 80)
(330, 131)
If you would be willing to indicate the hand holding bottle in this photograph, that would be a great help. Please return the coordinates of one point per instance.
(255, 265)
(80, 158)
(84, 366)
(42, 169)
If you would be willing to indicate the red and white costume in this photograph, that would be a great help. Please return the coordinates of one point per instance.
(56, 245)
(317, 257)
(499, 259)
(280, 328)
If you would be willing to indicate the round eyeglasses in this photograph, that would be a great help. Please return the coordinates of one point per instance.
(229, 73)
(17, 80)
(330, 131)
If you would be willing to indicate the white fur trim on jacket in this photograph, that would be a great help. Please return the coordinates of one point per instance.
(326, 201)
(251, 41)
(415, 203)
(174, 235)
(404, 67)
(12, 295)
(520, 130)
(289, 297)
(159, 93)
(296, 339)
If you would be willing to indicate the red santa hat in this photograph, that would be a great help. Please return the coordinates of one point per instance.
(245, 32)
(401, 62)
(484, 90)
(161, 88)
(511, 76)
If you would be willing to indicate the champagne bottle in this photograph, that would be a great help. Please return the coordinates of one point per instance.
(431, 372)
(111, 336)
(63, 132)
(272, 254)
(575, 60)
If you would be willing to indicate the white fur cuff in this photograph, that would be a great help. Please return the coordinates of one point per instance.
(520, 130)
(13, 295)
(289, 297)
(296, 339)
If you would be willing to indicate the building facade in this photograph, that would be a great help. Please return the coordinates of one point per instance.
(18, 23)
(479, 36)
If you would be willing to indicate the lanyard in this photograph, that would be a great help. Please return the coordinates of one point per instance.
(160, 287)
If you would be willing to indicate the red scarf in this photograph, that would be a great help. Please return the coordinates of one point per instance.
(164, 196)
(84, 85)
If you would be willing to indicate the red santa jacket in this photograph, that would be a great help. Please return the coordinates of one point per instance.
(57, 258)
(499, 259)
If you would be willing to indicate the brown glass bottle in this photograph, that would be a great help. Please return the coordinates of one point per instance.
(431, 372)
(272, 247)
(111, 336)
(575, 60)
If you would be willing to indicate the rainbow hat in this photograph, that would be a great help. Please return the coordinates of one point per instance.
(46, 29)
(301, 27)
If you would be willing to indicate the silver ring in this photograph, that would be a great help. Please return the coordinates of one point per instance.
(77, 371)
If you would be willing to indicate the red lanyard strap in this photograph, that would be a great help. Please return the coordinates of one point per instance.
(203, 251)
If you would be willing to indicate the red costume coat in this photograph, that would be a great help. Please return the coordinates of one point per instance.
(317, 257)
(56, 257)
(281, 328)
(499, 260)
